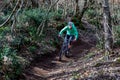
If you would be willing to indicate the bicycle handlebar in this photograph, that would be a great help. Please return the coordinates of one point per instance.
(61, 37)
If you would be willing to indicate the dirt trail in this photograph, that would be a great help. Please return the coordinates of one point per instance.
(49, 68)
(87, 63)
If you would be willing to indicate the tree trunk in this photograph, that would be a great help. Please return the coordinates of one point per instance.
(76, 7)
(107, 26)
(83, 10)
(34, 3)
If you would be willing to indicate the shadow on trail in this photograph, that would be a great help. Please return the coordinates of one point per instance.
(45, 61)
(81, 48)
(50, 61)
(42, 65)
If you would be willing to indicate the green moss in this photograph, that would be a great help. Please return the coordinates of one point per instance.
(32, 48)
(4, 29)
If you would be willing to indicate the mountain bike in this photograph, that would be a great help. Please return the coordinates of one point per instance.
(64, 51)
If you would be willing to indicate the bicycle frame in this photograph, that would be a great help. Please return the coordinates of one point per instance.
(64, 48)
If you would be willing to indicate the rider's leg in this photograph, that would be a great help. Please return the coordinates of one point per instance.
(68, 47)
(70, 41)
(70, 44)
(67, 42)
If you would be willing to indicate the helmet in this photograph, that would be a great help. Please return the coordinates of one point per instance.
(70, 23)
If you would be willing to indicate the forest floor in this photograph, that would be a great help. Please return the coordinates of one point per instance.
(86, 63)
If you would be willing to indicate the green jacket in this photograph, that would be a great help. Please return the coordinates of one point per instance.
(72, 31)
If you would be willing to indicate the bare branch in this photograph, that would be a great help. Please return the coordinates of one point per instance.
(46, 17)
(13, 11)
(3, 5)
(15, 16)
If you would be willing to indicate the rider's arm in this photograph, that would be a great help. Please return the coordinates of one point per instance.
(63, 30)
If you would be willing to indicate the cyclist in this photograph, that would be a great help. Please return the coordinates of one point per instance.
(71, 35)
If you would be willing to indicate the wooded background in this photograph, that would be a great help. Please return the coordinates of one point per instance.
(27, 26)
